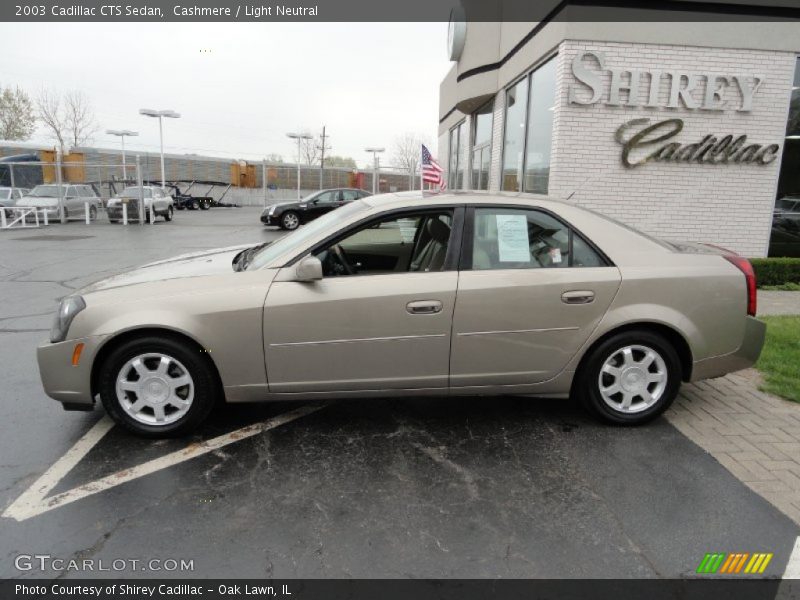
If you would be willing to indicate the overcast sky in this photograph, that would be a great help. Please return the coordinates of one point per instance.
(241, 86)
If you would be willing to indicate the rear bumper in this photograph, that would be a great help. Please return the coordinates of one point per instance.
(62, 381)
(746, 356)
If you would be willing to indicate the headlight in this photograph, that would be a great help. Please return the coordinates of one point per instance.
(272, 209)
(69, 307)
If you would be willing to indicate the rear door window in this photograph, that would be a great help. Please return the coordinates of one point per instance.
(509, 238)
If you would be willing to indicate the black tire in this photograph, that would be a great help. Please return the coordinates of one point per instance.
(66, 213)
(168, 215)
(197, 364)
(290, 220)
(195, 205)
(205, 205)
(92, 213)
(113, 220)
(588, 379)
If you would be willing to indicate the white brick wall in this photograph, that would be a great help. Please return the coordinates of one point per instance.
(730, 205)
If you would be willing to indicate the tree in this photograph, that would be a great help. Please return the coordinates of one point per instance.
(274, 158)
(17, 118)
(69, 118)
(310, 150)
(80, 121)
(407, 153)
(340, 161)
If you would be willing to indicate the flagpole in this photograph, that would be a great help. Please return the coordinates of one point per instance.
(421, 181)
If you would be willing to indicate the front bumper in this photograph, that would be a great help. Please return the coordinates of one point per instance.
(114, 212)
(62, 381)
(746, 356)
(268, 219)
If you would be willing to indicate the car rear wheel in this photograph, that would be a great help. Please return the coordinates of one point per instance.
(290, 221)
(92, 213)
(195, 205)
(157, 386)
(630, 378)
(168, 214)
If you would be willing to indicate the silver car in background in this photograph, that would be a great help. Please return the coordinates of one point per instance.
(74, 196)
(9, 196)
(410, 295)
(153, 197)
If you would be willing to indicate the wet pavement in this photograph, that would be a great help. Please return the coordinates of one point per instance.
(466, 487)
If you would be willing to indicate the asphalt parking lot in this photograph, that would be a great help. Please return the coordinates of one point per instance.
(464, 487)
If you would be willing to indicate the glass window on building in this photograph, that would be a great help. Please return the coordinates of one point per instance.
(540, 128)
(481, 146)
(455, 170)
(785, 238)
(514, 136)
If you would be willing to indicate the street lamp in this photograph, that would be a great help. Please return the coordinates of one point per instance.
(121, 133)
(299, 137)
(375, 167)
(171, 114)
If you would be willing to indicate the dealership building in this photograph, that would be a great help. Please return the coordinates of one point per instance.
(685, 130)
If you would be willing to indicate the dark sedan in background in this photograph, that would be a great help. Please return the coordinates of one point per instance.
(290, 215)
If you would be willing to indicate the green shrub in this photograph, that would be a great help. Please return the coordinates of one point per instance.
(776, 271)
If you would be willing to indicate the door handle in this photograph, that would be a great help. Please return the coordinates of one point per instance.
(424, 307)
(577, 297)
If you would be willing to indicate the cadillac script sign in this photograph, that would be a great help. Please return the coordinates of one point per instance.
(644, 140)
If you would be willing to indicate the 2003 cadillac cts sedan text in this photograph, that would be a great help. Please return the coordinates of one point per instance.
(410, 294)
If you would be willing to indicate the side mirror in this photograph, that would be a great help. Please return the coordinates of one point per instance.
(308, 269)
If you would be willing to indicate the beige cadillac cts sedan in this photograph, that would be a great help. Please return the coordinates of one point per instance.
(410, 294)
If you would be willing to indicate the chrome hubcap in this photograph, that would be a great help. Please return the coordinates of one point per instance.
(633, 379)
(291, 221)
(155, 389)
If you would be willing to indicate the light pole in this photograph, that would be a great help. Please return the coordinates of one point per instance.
(121, 133)
(171, 114)
(375, 167)
(299, 137)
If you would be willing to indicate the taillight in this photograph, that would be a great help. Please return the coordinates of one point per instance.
(745, 267)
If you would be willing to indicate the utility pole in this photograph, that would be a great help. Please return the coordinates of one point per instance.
(323, 147)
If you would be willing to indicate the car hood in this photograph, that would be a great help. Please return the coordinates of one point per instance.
(195, 264)
(285, 205)
(37, 202)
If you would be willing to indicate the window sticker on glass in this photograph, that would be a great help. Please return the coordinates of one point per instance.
(512, 238)
(555, 255)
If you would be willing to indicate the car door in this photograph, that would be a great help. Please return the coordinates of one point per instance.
(72, 200)
(318, 205)
(531, 290)
(375, 329)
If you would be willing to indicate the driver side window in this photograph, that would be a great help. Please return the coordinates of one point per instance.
(412, 242)
(325, 198)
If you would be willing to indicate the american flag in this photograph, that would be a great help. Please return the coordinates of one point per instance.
(432, 172)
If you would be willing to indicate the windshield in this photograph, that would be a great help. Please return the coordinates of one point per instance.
(133, 192)
(44, 191)
(298, 237)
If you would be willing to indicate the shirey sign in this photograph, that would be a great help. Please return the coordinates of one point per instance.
(643, 140)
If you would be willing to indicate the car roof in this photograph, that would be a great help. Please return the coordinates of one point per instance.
(464, 197)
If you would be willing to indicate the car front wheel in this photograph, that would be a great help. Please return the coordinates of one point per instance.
(168, 214)
(157, 386)
(630, 378)
(290, 221)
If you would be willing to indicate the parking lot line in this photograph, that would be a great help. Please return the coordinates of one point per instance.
(28, 503)
(793, 566)
(33, 501)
